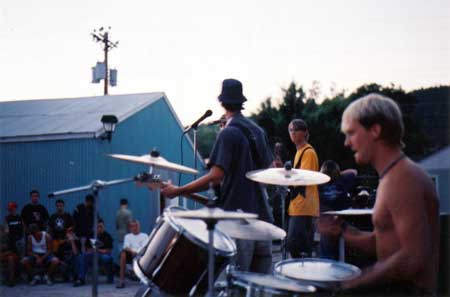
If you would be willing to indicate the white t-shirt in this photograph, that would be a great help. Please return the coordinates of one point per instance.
(135, 241)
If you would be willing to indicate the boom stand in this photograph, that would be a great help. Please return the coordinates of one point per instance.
(95, 187)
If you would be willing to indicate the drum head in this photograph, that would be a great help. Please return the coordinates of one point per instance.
(196, 230)
(271, 282)
(317, 270)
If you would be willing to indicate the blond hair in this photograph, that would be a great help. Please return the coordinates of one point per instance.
(378, 109)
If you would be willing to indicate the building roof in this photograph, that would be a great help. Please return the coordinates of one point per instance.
(50, 119)
(439, 160)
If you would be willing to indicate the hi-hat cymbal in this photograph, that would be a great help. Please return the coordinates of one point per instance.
(251, 230)
(291, 177)
(155, 161)
(350, 212)
(214, 213)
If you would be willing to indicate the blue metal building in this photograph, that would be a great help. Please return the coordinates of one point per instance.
(57, 144)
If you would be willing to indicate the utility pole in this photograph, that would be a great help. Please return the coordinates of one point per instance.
(103, 36)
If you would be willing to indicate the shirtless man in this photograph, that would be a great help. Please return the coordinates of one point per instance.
(406, 213)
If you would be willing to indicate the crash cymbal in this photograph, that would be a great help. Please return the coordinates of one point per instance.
(215, 213)
(251, 229)
(291, 177)
(351, 212)
(156, 161)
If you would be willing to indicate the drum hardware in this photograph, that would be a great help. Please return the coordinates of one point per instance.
(251, 229)
(288, 177)
(155, 160)
(321, 273)
(178, 255)
(95, 188)
(347, 212)
(154, 182)
(258, 284)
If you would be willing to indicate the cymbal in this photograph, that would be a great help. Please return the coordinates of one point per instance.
(215, 213)
(251, 229)
(155, 161)
(292, 177)
(351, 212)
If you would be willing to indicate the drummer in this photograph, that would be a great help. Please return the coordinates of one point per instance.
(240, 147)
(405, 239)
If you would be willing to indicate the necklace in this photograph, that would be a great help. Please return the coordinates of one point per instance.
(392, 164)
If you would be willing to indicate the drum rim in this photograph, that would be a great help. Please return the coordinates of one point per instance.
(170, 219)
(235, 278)
(353, 268)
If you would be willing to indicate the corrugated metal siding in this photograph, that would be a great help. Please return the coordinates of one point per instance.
(58, 165)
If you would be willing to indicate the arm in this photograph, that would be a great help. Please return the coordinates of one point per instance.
(361, 240)
(214, 176)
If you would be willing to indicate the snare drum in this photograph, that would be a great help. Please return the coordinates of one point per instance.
(175, 259)
(242, 283)
(321, 273)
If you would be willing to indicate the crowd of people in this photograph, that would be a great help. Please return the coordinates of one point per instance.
(43, 246)
(405, 218)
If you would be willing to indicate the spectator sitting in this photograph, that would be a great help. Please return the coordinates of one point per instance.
(60, 221)
(8, 255)
(34, 213)
(85, 259)
(39, 254)
(14, 228)
(133, 242)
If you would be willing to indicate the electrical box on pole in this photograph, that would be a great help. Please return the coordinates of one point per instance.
(101, 71)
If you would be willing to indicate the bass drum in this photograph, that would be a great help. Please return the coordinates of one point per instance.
(175, 259)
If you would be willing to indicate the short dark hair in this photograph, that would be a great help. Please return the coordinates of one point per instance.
(123, 201)
(233, 107)
(299, 124)
(59, 201)
(101, 221)
(89, 198)
(34, 191)
(33, 228)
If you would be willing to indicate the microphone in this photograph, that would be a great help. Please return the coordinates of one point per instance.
(195, 124)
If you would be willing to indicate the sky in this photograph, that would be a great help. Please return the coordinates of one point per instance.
(186, 48)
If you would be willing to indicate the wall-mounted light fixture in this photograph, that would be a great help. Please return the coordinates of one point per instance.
(109, 124)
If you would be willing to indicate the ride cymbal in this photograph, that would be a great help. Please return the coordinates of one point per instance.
(251, 229)
(288, 177)
(156, 161)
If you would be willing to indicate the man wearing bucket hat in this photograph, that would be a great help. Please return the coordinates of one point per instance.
(240, 147)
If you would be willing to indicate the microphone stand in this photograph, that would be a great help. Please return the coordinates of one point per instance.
(95, 187)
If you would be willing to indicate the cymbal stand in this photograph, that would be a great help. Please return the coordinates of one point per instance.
(95, 188)
(210, 226)
(283, 191)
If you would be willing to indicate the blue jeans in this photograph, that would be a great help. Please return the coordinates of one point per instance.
(254, 256)
(83, 260)
(300, 236)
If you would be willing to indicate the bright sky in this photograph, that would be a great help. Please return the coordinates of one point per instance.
(186, 48)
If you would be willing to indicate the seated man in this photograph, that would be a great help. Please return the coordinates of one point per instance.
(8, 256)
(82, 260)
(133, 242)
(39, 254)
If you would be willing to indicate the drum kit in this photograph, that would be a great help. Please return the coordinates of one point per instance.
(188, 249)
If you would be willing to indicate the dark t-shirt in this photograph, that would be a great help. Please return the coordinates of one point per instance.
(14, 223)
(105, 241)
(59, 224)
(35, 214)
(232, 152)
(336, 195)
(83, 218)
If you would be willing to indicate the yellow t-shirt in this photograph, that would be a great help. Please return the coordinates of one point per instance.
(309, 206)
